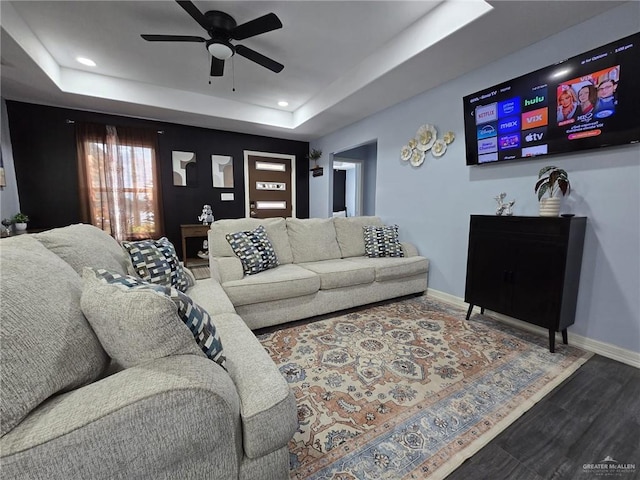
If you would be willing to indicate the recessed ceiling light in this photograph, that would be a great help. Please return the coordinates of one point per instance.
(282, 103)
(86, 61)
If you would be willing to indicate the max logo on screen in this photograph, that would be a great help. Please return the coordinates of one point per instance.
(509, 125)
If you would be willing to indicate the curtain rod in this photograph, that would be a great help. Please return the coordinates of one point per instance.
(73, 121)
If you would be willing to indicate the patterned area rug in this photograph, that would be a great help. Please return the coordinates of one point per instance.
(408, 389)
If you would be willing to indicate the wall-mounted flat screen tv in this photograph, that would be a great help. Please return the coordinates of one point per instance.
(588, 101)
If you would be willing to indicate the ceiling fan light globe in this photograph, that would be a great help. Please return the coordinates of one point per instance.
(220, 50)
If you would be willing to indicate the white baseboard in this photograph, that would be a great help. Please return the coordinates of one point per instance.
(596, 346)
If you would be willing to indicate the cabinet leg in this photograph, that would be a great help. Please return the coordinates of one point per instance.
(469, 310)
(565, 340)
(552, 340)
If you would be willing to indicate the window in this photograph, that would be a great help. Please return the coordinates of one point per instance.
(119, 181)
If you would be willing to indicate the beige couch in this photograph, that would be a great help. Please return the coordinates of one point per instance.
(67, 415)
(322, 268)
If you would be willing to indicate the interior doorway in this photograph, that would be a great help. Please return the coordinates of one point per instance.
(353, 184)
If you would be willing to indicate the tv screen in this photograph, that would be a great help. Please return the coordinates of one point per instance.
(588, 101)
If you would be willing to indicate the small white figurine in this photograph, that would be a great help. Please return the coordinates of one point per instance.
(204, 253)
(504, 208)
(508, 211)
(207, 215)
(501, 206)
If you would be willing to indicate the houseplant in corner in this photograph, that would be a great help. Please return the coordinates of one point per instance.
(20, 221)
(551, 181)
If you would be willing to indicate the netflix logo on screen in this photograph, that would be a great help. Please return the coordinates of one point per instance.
(486, 113)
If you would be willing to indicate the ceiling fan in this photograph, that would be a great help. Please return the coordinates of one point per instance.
(222, 28)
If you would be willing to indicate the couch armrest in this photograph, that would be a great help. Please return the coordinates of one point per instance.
(225, 269)
(164, 419)
(409, 249)
(209, 294)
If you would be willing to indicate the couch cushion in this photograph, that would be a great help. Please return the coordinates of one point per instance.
(312, 239)
(254, 250)
(276, 232)
(285, 281)
(138, 321)
(340, 273)
(349, 234)
(391, 268)
(156, 261)
(46, 344)
(382, 241)
(134, 326)
(83, 245)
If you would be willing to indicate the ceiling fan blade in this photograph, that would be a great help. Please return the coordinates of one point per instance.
(172, 38)
(217, 67)
(263, 24)
(196, 14)
(259, 58)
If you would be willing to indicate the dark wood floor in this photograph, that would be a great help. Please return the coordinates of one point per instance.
(593, 414)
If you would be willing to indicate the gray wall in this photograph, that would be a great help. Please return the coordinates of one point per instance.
(432, 203)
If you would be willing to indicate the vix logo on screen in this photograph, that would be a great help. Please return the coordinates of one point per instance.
(535, 118)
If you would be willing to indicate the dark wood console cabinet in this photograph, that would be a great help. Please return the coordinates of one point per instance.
(527, 268)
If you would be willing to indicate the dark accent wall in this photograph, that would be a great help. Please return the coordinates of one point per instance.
(44, 151)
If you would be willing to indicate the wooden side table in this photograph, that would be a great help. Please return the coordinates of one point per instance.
(193, 231)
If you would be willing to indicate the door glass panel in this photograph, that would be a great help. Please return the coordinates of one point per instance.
(262, 205)
(271, 186)
(274, 167)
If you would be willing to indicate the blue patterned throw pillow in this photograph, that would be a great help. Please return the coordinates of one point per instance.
(193, 316)
(382, 241)
(254, 249)
(155, 261)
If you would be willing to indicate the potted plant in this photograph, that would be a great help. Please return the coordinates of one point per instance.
(315, 155)
(551, 180)
(20, 221)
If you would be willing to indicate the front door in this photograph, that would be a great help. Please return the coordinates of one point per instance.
(269, 184)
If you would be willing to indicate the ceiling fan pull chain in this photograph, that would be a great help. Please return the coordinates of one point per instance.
(233, 74)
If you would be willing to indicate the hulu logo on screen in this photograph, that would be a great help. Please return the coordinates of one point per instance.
(532, 101)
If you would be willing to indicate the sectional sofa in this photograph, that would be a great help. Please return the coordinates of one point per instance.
(322, 268)
(69, 413)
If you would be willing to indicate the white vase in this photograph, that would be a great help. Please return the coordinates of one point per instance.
(21, 227)
(549, 207)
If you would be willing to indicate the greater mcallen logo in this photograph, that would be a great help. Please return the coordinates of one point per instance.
(608, 467)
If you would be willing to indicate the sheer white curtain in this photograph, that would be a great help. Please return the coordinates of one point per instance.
(119, 180)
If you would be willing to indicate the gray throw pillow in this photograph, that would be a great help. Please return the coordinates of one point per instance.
(156, 261)
(382, 241)
(254, 250)
(138, 321)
